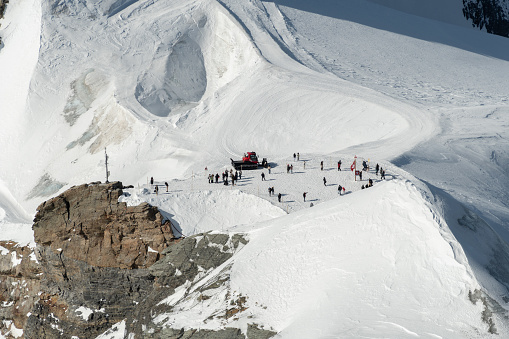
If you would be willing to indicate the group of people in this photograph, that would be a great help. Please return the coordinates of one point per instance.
(369, 184)
(156, 188)
(235, 176)
(381, 170)
(226, 175)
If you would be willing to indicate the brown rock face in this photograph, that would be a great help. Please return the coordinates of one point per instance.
(19, 284)
(88, 223)
(98, 262)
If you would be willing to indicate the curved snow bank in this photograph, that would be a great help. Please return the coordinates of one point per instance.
(281, 112)
(202, 211)
(14, 221)
(10, 209)
(368, 264)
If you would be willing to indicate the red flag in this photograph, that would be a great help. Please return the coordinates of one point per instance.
(353, 166)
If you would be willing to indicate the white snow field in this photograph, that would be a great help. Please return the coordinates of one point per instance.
(173, 87)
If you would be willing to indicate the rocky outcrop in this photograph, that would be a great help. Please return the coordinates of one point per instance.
(87, 223)
(490, 14)
(99, 263)
(84, 301)
(19, 284)
(3, 5)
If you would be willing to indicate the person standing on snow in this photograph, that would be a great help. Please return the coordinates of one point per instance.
(151, 180)
(298, 156)
(321, 165)
(279, 197)
(340, 189)
(304, 196)
(166, 186)
(263, 176)
(339, 165)
(294, 156)
(377, 168)
(217, 177)
(324, 181)
(360, 175)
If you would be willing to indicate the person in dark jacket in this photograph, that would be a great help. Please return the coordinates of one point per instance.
(279, 197)
(340, 189)
(324, 181)
(304, 196)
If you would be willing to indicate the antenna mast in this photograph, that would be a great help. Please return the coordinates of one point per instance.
(106, 162)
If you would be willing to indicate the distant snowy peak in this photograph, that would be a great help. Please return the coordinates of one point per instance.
(490, 14)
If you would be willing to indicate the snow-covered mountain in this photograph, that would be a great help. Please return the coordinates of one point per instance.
(173, 87)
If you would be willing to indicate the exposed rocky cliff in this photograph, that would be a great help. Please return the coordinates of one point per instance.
(3, 5)
(20, 275)
(87, 223)
(490, 14)
(101, 263)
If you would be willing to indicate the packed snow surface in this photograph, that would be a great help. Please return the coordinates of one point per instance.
(173, 90)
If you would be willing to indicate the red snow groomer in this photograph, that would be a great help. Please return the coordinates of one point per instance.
(249, 161)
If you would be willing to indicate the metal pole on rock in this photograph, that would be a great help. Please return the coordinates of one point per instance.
(106, 162)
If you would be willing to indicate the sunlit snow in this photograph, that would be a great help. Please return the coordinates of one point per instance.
(173, 90)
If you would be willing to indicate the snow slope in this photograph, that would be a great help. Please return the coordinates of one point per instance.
(172, 88)
(343, 269)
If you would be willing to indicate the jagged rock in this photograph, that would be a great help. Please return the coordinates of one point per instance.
(19, 284)
(3, 5)
(100, 263)
(254, 332)
(227, 333)
(88, 223)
